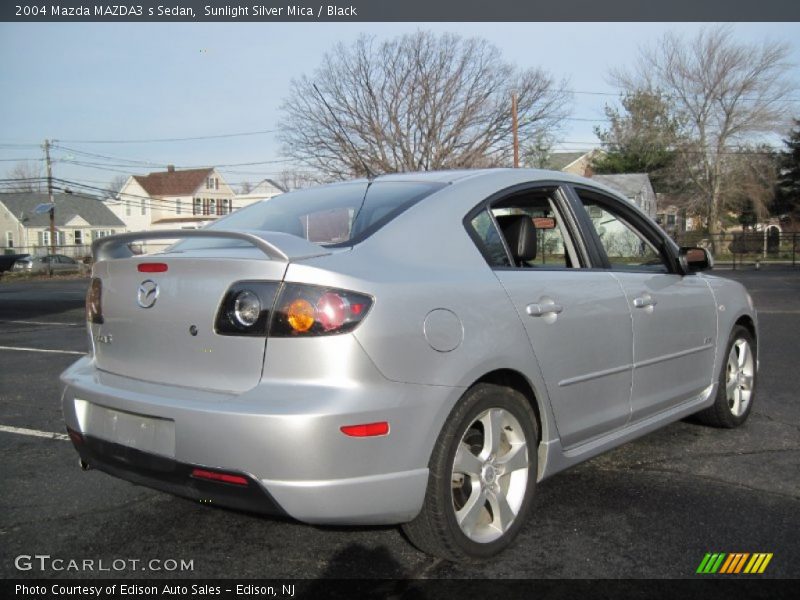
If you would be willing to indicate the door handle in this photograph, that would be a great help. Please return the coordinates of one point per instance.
(541, 310)
(644, 301)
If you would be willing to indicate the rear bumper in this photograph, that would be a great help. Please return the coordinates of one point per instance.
(283, 436)
(171, 476)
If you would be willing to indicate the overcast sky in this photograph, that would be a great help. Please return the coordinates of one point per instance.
(133, 81)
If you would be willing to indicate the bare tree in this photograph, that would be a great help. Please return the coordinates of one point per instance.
(246, 187)
(725, 92)
(416, 102)
(115, 185)
(295, 179)
(25, 176)
(751, 175)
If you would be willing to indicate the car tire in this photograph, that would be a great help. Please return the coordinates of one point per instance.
(737, 383)
(480, 486)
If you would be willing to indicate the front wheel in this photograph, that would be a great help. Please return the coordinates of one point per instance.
(737, 383)
(482, 476)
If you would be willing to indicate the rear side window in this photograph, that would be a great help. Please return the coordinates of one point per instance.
(528, 222)
(334, 215)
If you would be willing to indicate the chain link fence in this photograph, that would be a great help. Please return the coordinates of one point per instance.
(737, 250)
(80, 252)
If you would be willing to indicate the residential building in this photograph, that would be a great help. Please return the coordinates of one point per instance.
(577, 163)
(173, 199)
(79, 220)
(636, 187)
(265, 190)
(674, 217)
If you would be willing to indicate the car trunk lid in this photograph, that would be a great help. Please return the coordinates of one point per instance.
(159, 313)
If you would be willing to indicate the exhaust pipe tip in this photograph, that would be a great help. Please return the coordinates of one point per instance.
(83, 465)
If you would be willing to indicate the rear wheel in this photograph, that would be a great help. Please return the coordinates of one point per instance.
(482, 476)
(736, 387)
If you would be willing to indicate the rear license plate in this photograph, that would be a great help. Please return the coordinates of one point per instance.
(143, 432)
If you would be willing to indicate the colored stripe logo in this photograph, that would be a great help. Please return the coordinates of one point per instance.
(723, 563)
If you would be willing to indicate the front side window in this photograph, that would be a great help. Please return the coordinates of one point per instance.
(626, 247)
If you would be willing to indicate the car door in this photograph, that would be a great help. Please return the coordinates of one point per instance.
(673, 315)
(576, 318)
(67, 264)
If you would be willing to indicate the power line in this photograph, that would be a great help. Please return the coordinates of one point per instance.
(103, 156)
(181, 139)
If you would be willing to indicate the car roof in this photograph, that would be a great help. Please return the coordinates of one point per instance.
(503, 176)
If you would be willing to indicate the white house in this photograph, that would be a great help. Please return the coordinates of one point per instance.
(173, 199)
(263, 191)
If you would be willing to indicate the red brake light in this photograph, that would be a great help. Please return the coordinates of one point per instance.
(221, 477)
(366, 429)
(331, 311)
(152, 267)
(309, 310)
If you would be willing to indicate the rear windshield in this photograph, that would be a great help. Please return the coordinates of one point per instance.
(334, 215)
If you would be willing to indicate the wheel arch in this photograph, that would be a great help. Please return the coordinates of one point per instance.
(747, 322)
(517, 381)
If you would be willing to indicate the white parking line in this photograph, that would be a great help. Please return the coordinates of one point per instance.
(41, 323)
(19, 349)
(34, 432)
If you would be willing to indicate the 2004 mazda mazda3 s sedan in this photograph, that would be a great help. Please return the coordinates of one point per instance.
(419, 349)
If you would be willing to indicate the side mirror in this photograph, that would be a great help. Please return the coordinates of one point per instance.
(695, 259)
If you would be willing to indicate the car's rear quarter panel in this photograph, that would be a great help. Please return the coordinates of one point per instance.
(422, 261)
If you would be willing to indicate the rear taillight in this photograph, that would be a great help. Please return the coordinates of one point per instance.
(94, 302)
(292, 310)
(309, 310)
(246, 308)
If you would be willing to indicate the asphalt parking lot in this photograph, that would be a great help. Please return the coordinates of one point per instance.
(649, 509)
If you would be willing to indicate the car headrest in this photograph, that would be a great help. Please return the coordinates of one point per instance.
(520, 234)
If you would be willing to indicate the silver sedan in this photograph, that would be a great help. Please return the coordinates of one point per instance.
(420, 349)
(56, 263)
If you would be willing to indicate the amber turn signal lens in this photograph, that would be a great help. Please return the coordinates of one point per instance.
(300, 315)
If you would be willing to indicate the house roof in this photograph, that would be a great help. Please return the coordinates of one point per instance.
(628, 184)
(264, 187)
(178, 220)
(172, 182)
(68, 206)
(558, 160)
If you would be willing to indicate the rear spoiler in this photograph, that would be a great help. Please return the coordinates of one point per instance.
(275, 245)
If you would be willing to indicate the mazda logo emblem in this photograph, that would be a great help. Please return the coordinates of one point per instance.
(147, 294)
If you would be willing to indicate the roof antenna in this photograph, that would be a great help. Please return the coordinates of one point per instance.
(370, 174)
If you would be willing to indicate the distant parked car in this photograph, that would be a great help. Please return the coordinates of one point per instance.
(7, 260)
(42, 264)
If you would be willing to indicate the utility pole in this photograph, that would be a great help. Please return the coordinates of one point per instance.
(52, 206)
(514, 126)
